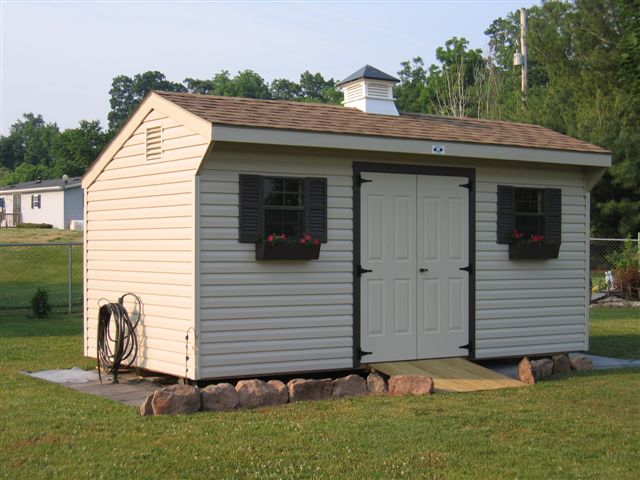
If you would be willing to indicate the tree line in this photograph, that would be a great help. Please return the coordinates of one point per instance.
(584, 81)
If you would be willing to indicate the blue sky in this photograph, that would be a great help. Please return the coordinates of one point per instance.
(58, 58)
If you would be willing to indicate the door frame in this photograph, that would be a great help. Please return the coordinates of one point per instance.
(470, 174)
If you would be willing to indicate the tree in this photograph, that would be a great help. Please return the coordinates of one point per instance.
(283, 89)
(74, 150)
(411, 93)
(126, 94)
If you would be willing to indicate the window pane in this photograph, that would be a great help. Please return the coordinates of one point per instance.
(273, 185)
(273, 222)
(292, 200)
(294, 186)
(529, 200)
(530, 225)
(274, 199)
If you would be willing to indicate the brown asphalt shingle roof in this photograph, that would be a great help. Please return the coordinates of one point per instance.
(312, 117)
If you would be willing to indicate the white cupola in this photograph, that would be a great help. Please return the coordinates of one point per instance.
(369, 90)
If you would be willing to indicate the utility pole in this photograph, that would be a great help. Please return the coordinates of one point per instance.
(523, 50)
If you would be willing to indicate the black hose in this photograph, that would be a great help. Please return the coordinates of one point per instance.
(117, 340)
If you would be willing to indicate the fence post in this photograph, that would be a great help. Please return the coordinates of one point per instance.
(69, 276)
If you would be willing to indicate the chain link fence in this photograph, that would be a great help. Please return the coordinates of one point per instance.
(54, 267)
(603, 254)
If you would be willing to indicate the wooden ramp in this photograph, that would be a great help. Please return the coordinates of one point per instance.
(450, 374)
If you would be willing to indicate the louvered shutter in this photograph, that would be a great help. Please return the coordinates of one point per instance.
(250, 221)
(33, 197)
(315, 191)
(505, 213)
(553, 215)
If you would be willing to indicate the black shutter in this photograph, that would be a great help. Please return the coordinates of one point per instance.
(250, 221)
(315, 202)
(553, 215)
(32, 199)
(505, 213)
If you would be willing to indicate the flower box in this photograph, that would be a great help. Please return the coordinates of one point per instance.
(287, 251)
(524, 251)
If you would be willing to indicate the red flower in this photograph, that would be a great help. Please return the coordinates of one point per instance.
(270, 238)
(517, 235)
(316, 242)
(307, 237)
(302, 241)
(537, 238)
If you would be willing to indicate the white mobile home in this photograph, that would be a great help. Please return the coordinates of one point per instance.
(413, 214)
(57, 202)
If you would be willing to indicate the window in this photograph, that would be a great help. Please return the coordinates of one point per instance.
(530, 211)
(287, 205)
(283, 206)
(36, 201)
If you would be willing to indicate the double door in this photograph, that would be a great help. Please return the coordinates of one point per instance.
(414, 239)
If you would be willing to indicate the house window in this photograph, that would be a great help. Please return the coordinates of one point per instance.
(289, 205)
(283, 206)
(36, 201)
(528, 211)
(532, 211)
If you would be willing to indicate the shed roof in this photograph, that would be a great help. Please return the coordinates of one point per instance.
(36, 185)
(321, 118)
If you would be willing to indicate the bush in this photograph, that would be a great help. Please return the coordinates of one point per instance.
(34, 225)
(40, 303)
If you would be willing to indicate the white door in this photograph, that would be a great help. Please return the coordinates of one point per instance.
(414, 239)
(443, 249)
(388, 249)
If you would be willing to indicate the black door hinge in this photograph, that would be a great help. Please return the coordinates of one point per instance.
(467, 185)
(362, 353)
(466, 347)
(360, 180)
(468, 268)
(361, 270)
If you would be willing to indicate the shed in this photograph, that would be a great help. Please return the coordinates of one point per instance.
(414, 214)
(57, 202)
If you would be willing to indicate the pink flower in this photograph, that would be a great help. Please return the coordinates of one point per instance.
(307, 237)
(270, 238)
(316, 242)
(517, 235)
(302, 241)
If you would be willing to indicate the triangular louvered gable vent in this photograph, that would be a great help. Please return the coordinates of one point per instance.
(153, 143)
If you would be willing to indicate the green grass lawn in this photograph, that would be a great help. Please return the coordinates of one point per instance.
(581, 426)
(27, 268)
(615, 332)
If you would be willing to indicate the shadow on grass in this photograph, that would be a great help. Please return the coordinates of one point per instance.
(22, 324)
(618, 346)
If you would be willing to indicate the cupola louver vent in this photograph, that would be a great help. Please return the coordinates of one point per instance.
(153, 143)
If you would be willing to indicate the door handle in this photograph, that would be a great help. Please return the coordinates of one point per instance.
(422, 270)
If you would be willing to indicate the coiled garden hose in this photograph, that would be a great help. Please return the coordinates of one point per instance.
(117, 340)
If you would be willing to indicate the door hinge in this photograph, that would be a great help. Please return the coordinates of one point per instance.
(466, 347)
(360, 180)
(361, 270)
(362, 353)
(467, 185)
(468, 268)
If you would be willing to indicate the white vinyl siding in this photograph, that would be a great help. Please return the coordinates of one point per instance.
(272, 316)
(140, 238)
(51, 209)
(527, 307)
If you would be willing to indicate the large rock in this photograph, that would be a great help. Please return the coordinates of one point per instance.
(376, 384)
(176, 399)
(220, 397)
(561, 364)
(309, 389)
(146, 409)
(526, 372)
(542, 368)
(256, 393)
(349, 386)
(410, 385)
(580, 362)
(281, 392)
